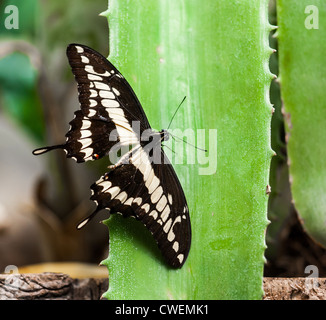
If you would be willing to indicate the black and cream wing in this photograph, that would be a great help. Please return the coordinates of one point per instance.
(152, 193)
(108, 108)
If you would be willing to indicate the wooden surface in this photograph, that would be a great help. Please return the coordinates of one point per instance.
(52, 286)
(295, 288)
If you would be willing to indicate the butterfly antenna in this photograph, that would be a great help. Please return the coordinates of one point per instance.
(175, 137)
(165, 146)
(176, 111)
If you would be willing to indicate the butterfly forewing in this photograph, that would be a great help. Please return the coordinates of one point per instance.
(102, 88)
(108, 107)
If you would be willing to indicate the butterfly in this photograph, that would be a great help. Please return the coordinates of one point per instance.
(111, 116)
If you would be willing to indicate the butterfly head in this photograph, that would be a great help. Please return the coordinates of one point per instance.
(165, 136)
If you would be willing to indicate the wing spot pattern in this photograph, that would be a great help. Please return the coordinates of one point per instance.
(154, 214)
(90, 69)
(175, 246)
(101, 86)
(88, 152)
(84, 59)
(138, 201)
(180, 258)
(85, 134)
(161, 204)
(86, 124)
(94, 77)
(93, 93)
(171, 234)
(92, 103)
(114, 191)
(167, 226)
(166, 212)
(129, 201)
(106, 94)
(91, 113)
(156, 195)
(85, 143)
(122, 196)
(79, 49)
(117, 92)
(108, 103)
(153, 184)
(105, 184)
(146, 207)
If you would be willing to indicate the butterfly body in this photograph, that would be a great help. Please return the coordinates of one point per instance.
(142, 183)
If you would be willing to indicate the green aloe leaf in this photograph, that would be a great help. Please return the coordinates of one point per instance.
(216, 53)
(279, 203)
(302, 48)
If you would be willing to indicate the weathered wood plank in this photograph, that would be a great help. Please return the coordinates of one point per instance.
(50, 286)
(58, 286)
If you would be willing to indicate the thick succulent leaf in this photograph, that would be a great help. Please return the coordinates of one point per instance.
(216, 53)
(303, 84)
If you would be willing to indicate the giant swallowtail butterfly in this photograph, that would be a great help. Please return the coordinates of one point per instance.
(136, 185)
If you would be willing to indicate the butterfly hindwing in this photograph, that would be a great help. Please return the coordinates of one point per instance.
(154, 196)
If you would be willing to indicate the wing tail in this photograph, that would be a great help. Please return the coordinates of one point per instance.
(88, 219)
(42, 150)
